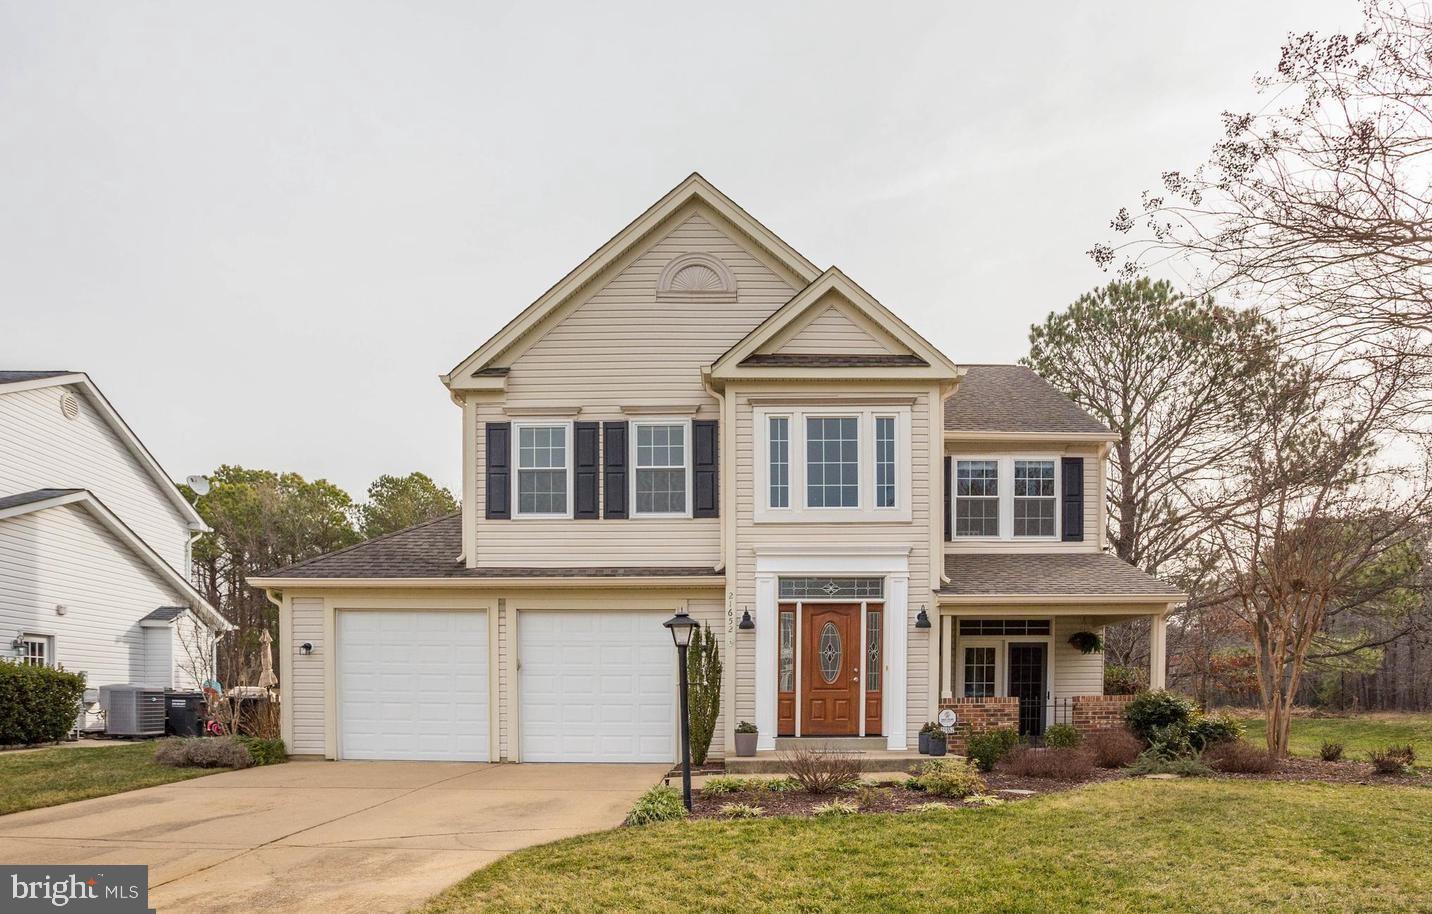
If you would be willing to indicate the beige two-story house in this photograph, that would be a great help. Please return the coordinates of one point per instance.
(697, 418)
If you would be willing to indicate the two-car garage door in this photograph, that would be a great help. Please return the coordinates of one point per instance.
(591, 686)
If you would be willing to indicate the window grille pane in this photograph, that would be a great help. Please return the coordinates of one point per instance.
(884, 462)
(872, 651)
(979, 672)
(832, 588)
(977, 498)
(1004, 627)
(780, 468)
(661, 469)
(1034, 498)
(832, 462)
(788, 653)
(542, 469)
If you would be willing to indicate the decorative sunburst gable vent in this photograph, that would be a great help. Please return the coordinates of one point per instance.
(69, 405)
(696, 277)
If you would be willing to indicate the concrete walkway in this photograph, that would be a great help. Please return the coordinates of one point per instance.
(367, 837)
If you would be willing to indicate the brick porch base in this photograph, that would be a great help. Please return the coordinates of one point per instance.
(1088, 713)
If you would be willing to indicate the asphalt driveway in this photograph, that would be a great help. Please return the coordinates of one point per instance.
(366, 837)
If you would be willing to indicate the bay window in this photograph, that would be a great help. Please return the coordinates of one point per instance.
(832, 462)
(829, 464)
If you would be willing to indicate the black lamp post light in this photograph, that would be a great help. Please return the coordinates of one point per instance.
(681, 627)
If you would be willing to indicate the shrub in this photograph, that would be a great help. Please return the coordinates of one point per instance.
(204, 752)
(868, 796)
(703, 669)
(985, 749)
(1172, 741)
(1122, 680)
(822, 772)
(659, 804)
(1152, 710)
(948, 778)
(780, 785)
(1240, 757)
(724, 784)
(929, 726)
(745, 726)
(38, 704)
(1205, 731)
(1061, 736)
(1055, 764)
(835, 809)
(1393, 759)
(1113, 748)
(741, 811)
(1151, 762)
(1330, 751)
(264, 751)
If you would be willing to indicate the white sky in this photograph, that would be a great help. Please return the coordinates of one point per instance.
(265, 228)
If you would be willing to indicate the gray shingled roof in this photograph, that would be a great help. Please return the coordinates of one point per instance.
(1049, 574)
(165, 614)
(833, 360)
(26, 498)
(12, 377)
(1012, 398)
(430, 550)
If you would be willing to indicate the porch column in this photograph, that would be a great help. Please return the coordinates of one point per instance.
(897, 629)
(947, 654)
(1158, 651)
(765, 672)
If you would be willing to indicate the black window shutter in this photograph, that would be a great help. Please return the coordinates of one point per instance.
(949, 495)
(1073, 497)
(584, 465)
(705, 468)
(499, 470)
(614, 452)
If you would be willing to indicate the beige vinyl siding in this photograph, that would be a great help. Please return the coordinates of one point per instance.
(833, 331)
(193, 652)
(1076, 673)
(158, 656)
(306, 697)
(41, 449)
(914, 534)
(622, 347)
(62, 556)
(1093, 495)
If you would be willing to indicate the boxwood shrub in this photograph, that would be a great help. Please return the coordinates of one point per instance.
(37, 704)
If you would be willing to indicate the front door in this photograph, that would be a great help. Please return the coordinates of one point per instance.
(830, 672)
(1026, 682)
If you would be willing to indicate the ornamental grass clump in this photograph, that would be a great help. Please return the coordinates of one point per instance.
(741, 811)
(835, 809)
(659, 804)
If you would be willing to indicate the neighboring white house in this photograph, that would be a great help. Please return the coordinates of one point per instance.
(698, 418)
(94, 542)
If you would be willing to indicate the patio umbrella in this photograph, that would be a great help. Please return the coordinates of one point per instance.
(267, 679)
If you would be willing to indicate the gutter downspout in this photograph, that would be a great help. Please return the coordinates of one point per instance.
(726, 411)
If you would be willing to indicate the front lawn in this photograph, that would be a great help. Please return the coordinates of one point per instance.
(1134, 846)
(1359, 734)
(47, 777)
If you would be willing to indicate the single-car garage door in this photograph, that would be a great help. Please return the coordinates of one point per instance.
(596, 687)
(412, 685)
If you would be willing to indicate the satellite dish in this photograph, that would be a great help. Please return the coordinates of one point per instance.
(200, 484)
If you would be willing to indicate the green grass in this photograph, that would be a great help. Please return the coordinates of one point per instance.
(1358, 734)
(48, 777)
(1128, 847)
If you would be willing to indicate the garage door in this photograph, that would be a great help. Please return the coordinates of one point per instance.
(412, 685)
(596, 687)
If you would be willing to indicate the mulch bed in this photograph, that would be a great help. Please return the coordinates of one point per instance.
(893, 796)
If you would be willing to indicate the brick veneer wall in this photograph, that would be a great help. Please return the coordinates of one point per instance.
(1099, 712)
(977, 715)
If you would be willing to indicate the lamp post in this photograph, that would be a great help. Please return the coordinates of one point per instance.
(681, 626)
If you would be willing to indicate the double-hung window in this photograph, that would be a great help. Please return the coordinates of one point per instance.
(976, 501)
(35, 650)
(663, 468)
(1034, 500)
(543, 471)
(832, 462)
(1005, 498)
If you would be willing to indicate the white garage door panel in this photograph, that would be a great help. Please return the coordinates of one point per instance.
(596, 687)
(413, 685)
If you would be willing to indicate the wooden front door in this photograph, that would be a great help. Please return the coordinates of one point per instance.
(830, 671)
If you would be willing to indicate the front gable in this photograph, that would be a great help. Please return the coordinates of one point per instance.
(832, 324)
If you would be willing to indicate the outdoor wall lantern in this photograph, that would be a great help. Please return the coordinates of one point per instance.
(922, 619)
(747, 623)
(305, 648)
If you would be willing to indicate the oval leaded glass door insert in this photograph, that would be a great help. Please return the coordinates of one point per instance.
(829, 652)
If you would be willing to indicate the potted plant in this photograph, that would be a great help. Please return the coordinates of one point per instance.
(937, 742)
(925, 730)
(1087, 642)
(745, 739)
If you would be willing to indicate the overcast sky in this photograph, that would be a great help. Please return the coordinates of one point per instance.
(265, 229)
